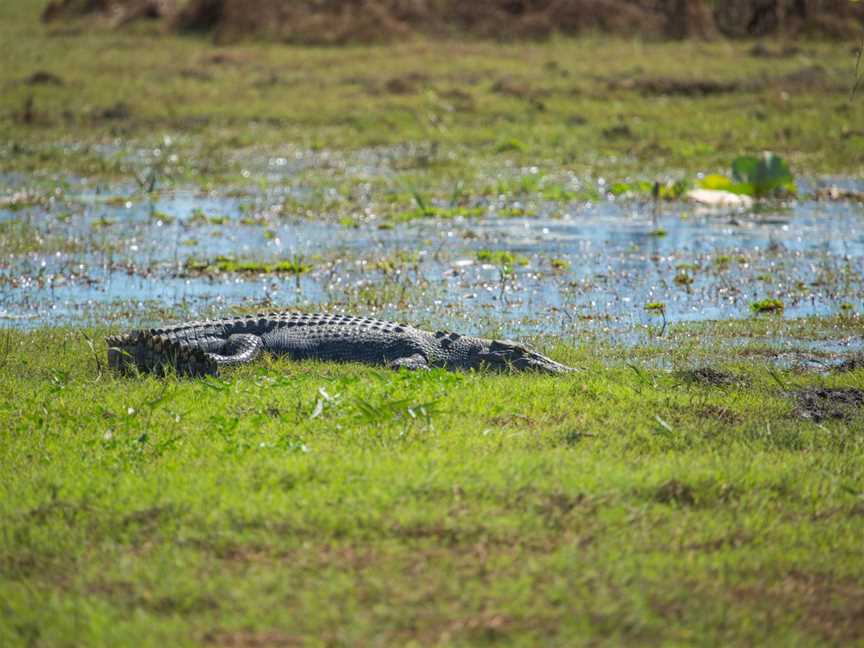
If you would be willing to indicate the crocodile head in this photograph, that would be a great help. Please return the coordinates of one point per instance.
(506, 355)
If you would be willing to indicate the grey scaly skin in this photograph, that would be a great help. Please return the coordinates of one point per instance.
(202, 348)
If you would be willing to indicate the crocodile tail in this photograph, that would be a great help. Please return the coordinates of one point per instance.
(146, 351)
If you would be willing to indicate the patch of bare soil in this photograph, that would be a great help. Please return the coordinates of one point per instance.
(762, 50)
(722, 414)
(510, 87)
(406, 84)
(654, 86)
(823, 403)
(119, 111)
(675, 492)
(709, 376)
(853, 362)
(618, 132)
(42, 77)
(830, 607)
(251, 639)
(808, 78)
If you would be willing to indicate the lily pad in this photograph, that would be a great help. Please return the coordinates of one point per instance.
(766, 174)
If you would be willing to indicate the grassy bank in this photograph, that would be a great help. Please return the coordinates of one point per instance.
(86, 101)
(349, 505)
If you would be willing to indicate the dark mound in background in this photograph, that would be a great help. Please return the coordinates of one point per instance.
(365, 21)
(113, 12)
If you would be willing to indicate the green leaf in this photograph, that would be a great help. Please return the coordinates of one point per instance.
(744, 168)
(766, 174)
(743, 189)
(716, 182)
(675, 190)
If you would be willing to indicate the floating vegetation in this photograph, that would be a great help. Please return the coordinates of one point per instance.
(759, 177)
(162, 217)
(397, 262)
(230, 264)
(200, 217)
(669, 190)
(102, 222)
(635, 187)
(424, 209)
(438, 212)
(18, 236)
(516, 212)
(683, 278)
(502, 258)
(258, 221)
(541, 187)
(22, 200)
(722, 262)
(763, 176)
(118, 201)
(767, 306)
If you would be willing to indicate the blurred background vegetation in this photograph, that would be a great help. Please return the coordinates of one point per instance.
(365, 21)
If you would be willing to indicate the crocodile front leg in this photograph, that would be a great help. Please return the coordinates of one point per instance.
(415, 362)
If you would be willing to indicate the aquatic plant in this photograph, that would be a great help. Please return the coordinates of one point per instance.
(767, 306)
(502, 258)
(760, 177)
(230, 264)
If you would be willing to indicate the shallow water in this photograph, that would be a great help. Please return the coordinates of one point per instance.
(95, 255)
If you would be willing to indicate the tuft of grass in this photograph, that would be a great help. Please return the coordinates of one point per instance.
(560, 265)
(444, 213)
(230, 264)
(684, 278)
(511, 145)
(502, 258)
(767, 306)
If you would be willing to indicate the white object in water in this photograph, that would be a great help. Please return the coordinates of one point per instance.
(717, 198)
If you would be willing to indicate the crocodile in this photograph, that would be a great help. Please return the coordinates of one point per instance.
(202, 348)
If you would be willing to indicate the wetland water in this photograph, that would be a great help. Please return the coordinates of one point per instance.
(87, 254)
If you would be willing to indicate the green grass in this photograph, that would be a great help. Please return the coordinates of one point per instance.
(229, 264)
(767, 305)
(354, 505)
(563, 106)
